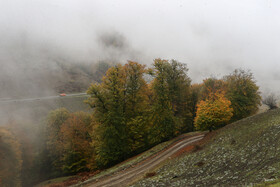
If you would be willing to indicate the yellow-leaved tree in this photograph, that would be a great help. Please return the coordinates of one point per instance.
(213, 112)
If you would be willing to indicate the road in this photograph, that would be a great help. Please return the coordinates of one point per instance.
(131, 174)
(10, 100)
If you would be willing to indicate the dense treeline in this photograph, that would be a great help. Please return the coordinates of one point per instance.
(132, 114)
(134, 108)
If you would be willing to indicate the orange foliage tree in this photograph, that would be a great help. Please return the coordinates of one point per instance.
(76, 143)
(213, 113)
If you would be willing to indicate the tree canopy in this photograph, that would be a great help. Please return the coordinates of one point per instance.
(242, 91)
(214, 112)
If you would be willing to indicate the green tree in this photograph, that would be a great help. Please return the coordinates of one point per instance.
(179, 91)
(121, 110)
(108, 100)
(243, 93)
(163, 113)
(171, 99)
(137, 110)
(213, 113)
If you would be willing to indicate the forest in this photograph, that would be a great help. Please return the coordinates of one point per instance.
(134, 107)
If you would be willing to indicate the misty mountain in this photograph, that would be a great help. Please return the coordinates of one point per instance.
(30, 68)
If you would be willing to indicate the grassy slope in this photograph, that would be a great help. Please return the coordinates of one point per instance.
(125, 164)
(243, 153)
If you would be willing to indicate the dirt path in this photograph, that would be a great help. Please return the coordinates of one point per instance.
(129, 175)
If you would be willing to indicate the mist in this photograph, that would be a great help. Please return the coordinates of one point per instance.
(213, 38)
(48, 47)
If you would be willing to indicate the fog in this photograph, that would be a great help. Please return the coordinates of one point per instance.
(212, 37)
(39, 39)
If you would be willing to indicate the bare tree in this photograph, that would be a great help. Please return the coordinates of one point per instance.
(270, 101)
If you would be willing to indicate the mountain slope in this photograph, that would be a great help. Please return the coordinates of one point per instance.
(243, 153)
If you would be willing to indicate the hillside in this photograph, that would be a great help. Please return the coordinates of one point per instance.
(32, 68)
(243, 153)
(36, 111)
(124, 168)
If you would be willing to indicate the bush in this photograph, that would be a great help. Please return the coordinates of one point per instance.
(270, 101)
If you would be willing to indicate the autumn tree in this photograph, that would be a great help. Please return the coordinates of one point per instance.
(179, 92)
(21, 130)
(171, 97)
(243, 93)
(76, 143)
(120, 105)
(137, 110)
(210, 86)
(214, 112)
(163, 114)
(195, 98)
(10, 159)
(55, 120)
(108, 99)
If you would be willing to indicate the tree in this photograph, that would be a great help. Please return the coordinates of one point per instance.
(243, 93)
(55, 120)
(10, 159)
(76, 143)
(270, 101)
(108, 98)
(210, 86)
(163, 113)
(120, 101)
(137, 110)
(194, 100)
(213, 113)
(171, 99)
(179, 92)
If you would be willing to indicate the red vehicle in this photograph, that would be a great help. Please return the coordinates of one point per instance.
(62, 94)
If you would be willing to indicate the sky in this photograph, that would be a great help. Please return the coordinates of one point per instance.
(213, 37)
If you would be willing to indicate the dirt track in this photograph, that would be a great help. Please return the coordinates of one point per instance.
(127, 176)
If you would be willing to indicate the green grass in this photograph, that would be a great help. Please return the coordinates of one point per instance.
(270, 183)
(246, 152)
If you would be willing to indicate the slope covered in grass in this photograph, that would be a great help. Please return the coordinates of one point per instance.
(243, 153)
(131, 162)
